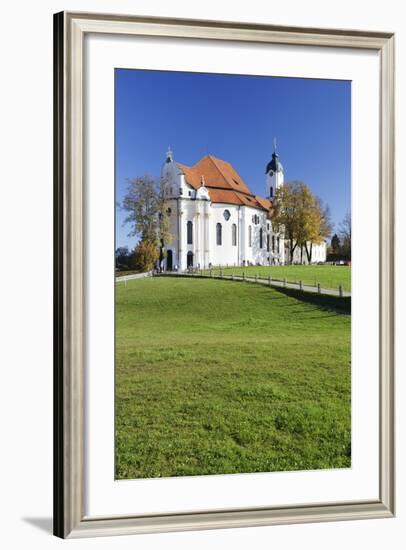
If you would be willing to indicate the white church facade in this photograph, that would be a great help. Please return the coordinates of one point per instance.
(215, 219)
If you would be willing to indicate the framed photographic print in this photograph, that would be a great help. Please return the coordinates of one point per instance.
(224, 221)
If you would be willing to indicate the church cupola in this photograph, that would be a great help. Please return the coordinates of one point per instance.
(274, 174)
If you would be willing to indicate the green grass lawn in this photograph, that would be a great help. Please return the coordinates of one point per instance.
(329, 276)
(219, 377)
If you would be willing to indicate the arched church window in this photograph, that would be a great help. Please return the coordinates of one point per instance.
(234, 234)
(226, 215)
(273, 243)
(219, 234)
(267, 242)
(261, 238)
(189, 232)
(271, 192)
(249, 235)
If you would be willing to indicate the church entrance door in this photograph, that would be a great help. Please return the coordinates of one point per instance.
(189, 259)
(169, 260)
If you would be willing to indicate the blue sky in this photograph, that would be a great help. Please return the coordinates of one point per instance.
(235, 118)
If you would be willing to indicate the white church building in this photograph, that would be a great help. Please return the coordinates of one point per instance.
(216, 220)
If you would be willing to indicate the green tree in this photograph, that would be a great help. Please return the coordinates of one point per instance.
(335, 244)
(123, 257)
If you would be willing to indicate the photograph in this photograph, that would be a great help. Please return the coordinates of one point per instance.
(232, 269)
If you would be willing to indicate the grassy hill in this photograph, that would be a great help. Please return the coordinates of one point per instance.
(329, 276)
(226, 377)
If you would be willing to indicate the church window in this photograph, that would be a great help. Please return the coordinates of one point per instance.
(234, 234)
(180, 191)
(267, 242)
(249, 235)
(226, 215)
(279, 242)
(219, 235)
(273, 243)
(189, 233)
(169, 211)
(260, 238)
(190, 193)
(271, 191)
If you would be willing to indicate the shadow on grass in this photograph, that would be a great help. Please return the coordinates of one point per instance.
(328, 303)
(334, 304)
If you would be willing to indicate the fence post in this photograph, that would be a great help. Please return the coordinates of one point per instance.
(300, 285)
(284, 282)
(243, 275)
(318, 288)
(221, 273)
(340, 290)
(256, 277)
(269, 280)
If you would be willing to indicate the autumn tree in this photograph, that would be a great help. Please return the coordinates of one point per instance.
(146, 254)
(301, 216)
(288, 212)
(147, 215)
(318, 226)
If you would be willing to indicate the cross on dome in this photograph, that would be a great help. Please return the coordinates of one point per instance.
(274, 165)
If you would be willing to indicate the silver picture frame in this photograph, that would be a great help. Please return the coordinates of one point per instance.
(70, 30)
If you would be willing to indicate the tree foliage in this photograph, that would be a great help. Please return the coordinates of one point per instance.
(123, 258)
(147, 216)
(302, 217)
(335, 244)
(146, 254)
(345, 234)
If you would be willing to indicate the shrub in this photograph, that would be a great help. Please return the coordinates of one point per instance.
(146, 255)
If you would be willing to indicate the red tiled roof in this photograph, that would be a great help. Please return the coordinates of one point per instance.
(224, 183)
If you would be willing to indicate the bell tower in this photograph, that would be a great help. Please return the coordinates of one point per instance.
(274, 174)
